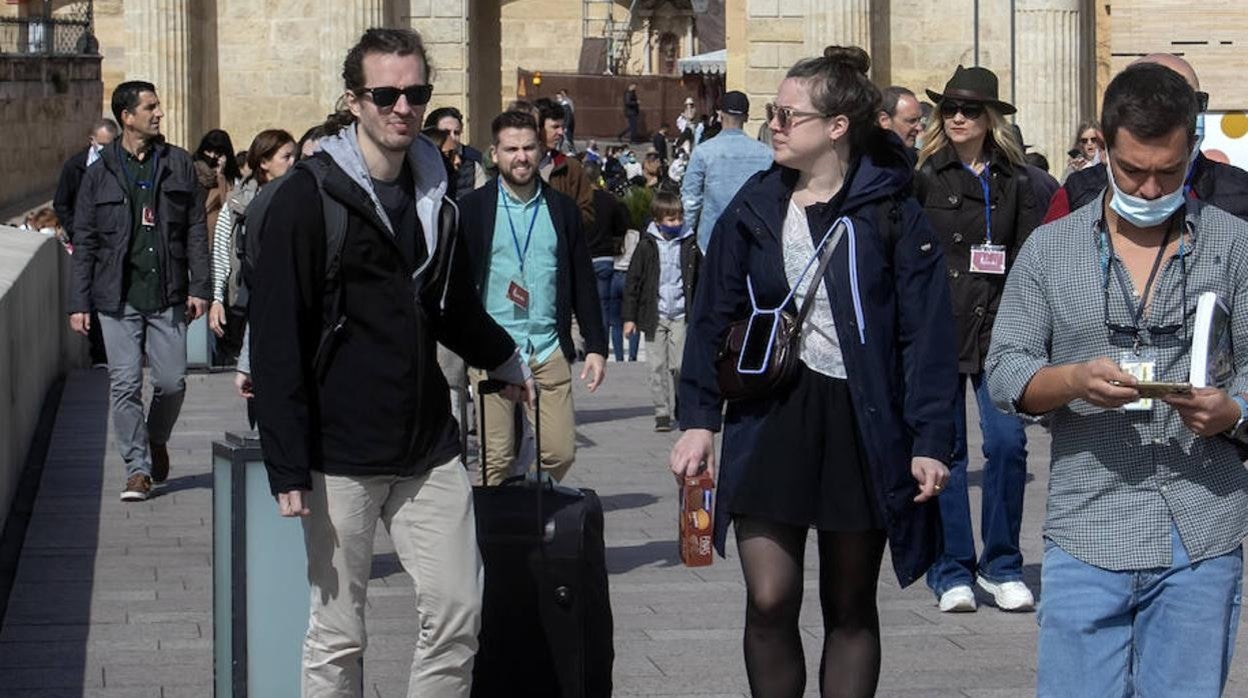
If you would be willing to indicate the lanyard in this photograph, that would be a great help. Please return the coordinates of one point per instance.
(983, 185)
(144, 184)
(1137, 312)
(520, 253)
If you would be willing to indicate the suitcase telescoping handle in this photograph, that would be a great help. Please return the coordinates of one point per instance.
(489, 387)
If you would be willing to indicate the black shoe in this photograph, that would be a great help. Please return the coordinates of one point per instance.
(662, 424)
(160, 462)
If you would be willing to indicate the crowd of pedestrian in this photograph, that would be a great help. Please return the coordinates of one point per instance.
(819, 300)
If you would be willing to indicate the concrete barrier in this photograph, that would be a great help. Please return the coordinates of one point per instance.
(36, 345)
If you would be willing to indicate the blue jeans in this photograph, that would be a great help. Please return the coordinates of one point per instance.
(1167, 631)
(1005, 476)
(612, 315)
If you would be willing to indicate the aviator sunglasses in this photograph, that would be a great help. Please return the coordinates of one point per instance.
(386, 97)
(971, 110)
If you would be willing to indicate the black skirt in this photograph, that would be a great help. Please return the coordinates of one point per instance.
(808, 467)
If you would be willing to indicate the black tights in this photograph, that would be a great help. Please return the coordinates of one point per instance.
(849, 567)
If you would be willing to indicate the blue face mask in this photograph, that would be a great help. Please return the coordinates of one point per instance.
(671, 231)
(1143, 213)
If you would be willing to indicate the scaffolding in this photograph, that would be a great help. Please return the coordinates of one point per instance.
(608, 20)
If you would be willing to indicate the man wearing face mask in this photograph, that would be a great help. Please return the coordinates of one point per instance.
(1148, 500)
(1220, 184)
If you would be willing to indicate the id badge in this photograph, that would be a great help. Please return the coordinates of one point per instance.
(518, 294)
(149, 215)
(1142, 365)
(988, 259)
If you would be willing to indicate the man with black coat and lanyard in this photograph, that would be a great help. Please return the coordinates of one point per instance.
(532, 269)
(353, 410)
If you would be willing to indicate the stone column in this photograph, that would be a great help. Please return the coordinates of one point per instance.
(648, 66)
(160, 50)
(838, 23)
(344, 21)
(1049, 51)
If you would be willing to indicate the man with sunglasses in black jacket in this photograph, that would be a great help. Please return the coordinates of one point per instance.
(352, 408)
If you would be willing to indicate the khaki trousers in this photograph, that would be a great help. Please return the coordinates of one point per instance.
(664, 350)
(430, 519)
(558, 437)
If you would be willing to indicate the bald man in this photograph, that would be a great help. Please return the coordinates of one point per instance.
(1222, 185)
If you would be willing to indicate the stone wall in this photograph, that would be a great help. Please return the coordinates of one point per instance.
(269, 69)
(36, 345)
(918, 44)
(539, 35)
(47, 106)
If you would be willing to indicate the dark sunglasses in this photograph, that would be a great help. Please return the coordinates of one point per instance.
(386, 97)
(784, 115)
(971, 110)
(1202, 98)
(1090, 140)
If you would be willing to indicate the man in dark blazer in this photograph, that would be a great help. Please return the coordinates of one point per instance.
(532, 268)
(103, 131)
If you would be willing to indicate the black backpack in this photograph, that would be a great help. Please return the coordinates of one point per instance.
(247, 229)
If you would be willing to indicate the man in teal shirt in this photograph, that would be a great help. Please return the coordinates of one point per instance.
(533, 271)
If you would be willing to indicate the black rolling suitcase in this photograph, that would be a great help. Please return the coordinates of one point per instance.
(546, 628)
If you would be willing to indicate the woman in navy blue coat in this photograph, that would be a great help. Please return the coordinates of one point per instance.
(857, 446)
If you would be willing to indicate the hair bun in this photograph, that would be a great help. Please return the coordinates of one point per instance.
(851, 56)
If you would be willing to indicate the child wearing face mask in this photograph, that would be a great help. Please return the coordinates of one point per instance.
(659, 288)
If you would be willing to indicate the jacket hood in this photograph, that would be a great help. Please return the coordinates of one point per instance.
(653, 230)
(428, 172)
(882, 170)
(242, 196)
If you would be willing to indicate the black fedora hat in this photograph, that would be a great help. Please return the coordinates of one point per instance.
(973, 84)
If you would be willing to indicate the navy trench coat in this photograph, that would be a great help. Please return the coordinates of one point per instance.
(890, 302)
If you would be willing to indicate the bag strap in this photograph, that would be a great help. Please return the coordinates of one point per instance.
(834, 235)
(826, 259)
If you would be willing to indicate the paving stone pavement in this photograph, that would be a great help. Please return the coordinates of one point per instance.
(115, 600)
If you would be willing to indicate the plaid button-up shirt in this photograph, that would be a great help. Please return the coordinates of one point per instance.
(1119, 478)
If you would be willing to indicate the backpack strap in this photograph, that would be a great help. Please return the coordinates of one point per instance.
(336, 220)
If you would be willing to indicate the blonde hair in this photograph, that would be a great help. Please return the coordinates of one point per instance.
(1000, 136)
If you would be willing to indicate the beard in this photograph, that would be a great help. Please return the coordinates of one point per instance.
(509, 175)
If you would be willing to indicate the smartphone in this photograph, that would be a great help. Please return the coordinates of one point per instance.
(1152, 389)
(760, 335)
(1074, 153)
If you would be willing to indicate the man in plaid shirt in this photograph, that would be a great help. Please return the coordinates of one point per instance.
(1148, 500)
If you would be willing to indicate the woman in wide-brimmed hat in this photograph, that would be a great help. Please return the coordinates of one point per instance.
(976, 191)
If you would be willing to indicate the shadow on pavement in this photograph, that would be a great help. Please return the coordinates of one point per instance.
(186, 482)
(625, 558)
(48, 618)
(627, 500)
(611, 414)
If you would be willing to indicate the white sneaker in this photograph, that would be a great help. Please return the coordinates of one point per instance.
(959, 599)
(1009, 596)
